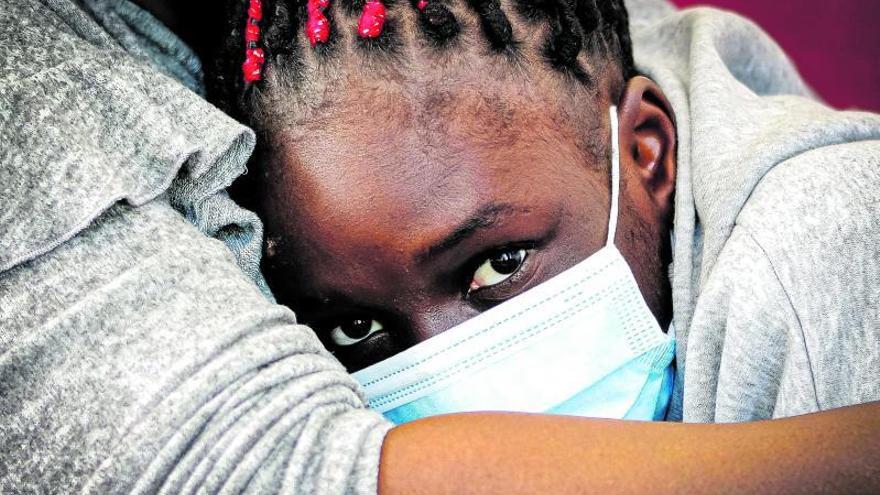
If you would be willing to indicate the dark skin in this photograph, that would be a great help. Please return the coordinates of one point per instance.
(506, 180)
(831, 452)
(434, 179)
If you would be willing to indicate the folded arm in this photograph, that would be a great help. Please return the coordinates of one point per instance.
(836, 451)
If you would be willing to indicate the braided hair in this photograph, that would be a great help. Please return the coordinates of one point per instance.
(280, 33)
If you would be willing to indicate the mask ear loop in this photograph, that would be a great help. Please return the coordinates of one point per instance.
(615, 178)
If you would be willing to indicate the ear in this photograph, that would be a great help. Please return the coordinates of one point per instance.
(647, 141)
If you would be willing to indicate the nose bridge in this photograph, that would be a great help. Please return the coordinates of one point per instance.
(426, 319)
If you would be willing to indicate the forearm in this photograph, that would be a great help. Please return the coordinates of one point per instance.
(835, 451)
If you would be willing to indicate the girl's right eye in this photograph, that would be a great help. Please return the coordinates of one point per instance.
(352, 331)
(497, 268)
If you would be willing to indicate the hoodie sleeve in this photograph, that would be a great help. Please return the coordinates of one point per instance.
(139, 350)
(137, 357)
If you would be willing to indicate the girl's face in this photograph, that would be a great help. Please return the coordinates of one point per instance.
(397, 213)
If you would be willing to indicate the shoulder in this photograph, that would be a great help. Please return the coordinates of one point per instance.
(815, 216)
(742, 341)
(801, 275)
(141, 329)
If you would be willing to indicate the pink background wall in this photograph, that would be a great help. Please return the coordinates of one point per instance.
(835, 44)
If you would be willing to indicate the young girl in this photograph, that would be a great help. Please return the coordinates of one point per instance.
(444, 166)
(441, 159)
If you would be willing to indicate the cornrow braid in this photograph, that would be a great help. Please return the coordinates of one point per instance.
(587, 13)
(566, 41)
(615, 16)
(595, 27)
(437, 22)
(495, 24)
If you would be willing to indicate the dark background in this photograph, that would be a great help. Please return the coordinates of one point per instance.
(835, 44)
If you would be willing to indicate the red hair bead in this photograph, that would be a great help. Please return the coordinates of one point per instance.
(255, 11)
(421, 5)
(253, 70)
(317, 26)
(320, 5)
(372, 19)
(252, 32)
(257, 54)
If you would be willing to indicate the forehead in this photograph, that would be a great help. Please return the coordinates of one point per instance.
(382, 158)
(440, 96)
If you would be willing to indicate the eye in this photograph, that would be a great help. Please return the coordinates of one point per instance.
(497, 268)
(353, 331)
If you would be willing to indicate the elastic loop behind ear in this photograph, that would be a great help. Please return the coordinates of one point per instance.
(615, 178)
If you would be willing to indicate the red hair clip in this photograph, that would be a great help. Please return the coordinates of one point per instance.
(254, 55)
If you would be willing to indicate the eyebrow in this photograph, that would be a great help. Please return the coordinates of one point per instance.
(486, 216)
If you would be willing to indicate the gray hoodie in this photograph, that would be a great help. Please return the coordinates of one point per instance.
(776, 271)
(139, 350)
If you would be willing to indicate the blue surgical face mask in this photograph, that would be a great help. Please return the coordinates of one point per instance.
(582, 343)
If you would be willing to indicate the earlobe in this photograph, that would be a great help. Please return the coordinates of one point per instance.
(647, 140)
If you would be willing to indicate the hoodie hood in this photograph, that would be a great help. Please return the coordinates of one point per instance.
(89, 121)
(740, 109)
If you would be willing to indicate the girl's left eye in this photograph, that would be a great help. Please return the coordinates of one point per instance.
(497, 268)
